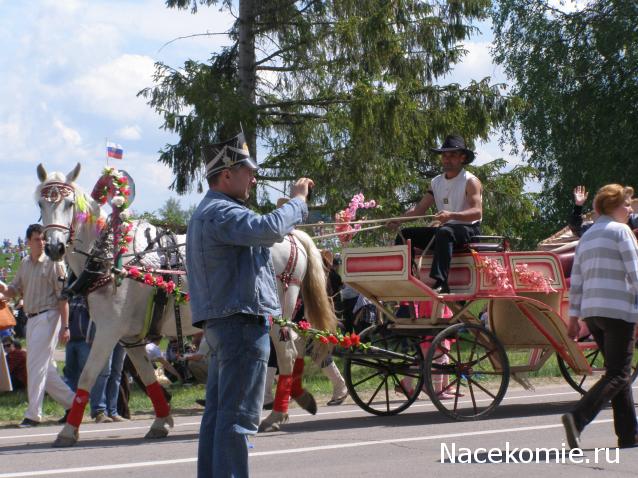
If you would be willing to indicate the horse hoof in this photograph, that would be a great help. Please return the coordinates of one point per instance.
(307, 402)
(65, 441)
(273, 422)
(156, 433)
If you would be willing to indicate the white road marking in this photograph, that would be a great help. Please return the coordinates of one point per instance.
(286, 452)
(302, 416)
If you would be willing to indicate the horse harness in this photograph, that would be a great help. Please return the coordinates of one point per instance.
(286, 276)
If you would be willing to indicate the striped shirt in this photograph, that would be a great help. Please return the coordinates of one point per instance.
(604, 279)
(39, 283)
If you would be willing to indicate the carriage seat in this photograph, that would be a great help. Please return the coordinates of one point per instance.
(567, 261)
(478, 244)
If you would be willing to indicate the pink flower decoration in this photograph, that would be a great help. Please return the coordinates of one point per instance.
(148, 279)
(303, 325)
(134, 272)
(170, 286)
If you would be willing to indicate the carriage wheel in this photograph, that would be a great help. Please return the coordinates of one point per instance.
(467, 371)
(385, 379)
(582, 383)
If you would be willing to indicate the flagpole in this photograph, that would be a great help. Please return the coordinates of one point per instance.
(106, 150)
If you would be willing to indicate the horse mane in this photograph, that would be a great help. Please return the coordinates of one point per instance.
(317, 305)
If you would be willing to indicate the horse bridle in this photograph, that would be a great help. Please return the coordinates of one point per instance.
(54, 192)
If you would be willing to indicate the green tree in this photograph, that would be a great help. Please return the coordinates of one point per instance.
(507, 209)
(170, 215)
(577, 76)
(348, 92)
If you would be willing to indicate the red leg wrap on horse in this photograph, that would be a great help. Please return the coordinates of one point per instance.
(282, 394)
(161, 406)
(297, 376)
(77, 409)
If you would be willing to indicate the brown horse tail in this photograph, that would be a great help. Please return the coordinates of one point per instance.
(317, 305)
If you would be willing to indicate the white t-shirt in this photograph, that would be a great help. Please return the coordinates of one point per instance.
(450, 194)
(153, 351)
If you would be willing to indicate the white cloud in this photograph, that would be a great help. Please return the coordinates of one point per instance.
(568, 6)
(131, 133)
(476, 65)
(70, 136)
(110, 89)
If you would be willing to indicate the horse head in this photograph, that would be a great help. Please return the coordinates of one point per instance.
(56, 196)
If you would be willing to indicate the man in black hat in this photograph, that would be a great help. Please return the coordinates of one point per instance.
(456, 193)
(233, 291)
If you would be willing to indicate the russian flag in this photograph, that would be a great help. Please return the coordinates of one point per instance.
(114, 151)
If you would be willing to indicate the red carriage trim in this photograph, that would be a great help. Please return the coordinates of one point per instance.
(393, 263)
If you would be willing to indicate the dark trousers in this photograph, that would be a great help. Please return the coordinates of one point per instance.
(616, 340)
(445, 238)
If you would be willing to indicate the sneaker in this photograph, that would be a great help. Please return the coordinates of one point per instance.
(102, 418)
(28, 423)
(338, 400)
(573, 435)
(62, 420)
(117, 418)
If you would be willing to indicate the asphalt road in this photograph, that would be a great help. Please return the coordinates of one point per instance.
(346, 442)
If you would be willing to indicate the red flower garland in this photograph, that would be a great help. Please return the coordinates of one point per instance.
(155, 281)
(303, 328)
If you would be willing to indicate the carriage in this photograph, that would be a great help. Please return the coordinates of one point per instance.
(442, 347)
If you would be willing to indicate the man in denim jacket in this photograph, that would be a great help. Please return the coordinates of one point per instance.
(233, 291)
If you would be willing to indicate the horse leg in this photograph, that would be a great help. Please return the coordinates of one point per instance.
(101, 349)
(299, 394)
(286, 354)
(163, 418)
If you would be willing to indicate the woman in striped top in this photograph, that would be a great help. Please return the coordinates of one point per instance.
(604, 292)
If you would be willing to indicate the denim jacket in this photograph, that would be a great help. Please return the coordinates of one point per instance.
(228, 259)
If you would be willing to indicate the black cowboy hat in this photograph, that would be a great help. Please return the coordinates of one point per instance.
(224, 155)
(455, 143)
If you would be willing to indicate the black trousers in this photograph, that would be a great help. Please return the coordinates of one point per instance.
(616, 340)
(445, 238)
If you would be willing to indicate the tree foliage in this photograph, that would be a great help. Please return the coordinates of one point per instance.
(348, 92)
(507, 209)
(577, 75)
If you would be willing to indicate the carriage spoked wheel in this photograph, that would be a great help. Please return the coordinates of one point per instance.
(467, 371)
(582, 383)
(386, 378)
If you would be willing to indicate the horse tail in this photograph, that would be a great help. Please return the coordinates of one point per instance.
(317, 306)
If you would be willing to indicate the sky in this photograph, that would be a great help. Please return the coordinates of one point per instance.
(70, 71)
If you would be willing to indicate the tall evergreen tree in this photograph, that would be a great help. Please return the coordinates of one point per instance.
(348, 92)
(577, 75)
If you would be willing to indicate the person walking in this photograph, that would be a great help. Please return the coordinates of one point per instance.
(40, 282)
(233, 292)
(604, 292)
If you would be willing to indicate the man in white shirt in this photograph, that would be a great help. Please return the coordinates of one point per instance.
(456, 193)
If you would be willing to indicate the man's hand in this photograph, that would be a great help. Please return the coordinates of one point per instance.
(3, 286)
(64, 336)
(301, 188)
(573, 328)
(443, 216)
(580, 195)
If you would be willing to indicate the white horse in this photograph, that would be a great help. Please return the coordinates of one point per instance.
(119, 313)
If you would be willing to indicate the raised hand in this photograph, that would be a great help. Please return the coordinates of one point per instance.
(580, 195)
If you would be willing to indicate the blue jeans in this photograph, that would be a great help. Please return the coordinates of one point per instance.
(234, 394)
(76, 353)
(107, 386)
